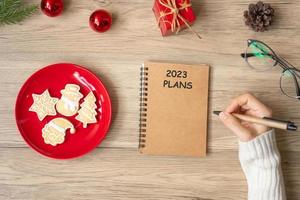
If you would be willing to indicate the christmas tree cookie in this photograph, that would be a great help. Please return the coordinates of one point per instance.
(87, 113)
(43, 105)
(69, 102)
(54, 132)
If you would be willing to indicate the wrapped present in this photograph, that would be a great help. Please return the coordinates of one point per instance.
(174, 15)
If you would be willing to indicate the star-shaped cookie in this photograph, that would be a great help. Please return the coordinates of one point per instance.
(43, 105)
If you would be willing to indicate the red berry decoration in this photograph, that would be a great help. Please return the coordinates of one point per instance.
(100, 20)
(52, 8)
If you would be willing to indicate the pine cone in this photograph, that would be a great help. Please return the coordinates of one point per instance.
(259, 16)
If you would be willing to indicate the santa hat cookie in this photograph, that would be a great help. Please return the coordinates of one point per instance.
(54, 132)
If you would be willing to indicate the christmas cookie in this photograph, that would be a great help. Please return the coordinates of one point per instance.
(54, 132)
(69, 102)
(87, 113)
(43, 105)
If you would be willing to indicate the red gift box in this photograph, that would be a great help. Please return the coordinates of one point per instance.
(173, 15)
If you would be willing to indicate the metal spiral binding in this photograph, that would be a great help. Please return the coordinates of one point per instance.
(143, 106)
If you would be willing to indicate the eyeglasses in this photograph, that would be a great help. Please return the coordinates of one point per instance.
(261, 57)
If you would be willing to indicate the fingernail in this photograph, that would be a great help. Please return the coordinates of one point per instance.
(223, 116)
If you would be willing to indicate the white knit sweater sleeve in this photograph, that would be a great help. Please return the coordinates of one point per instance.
(260, 161)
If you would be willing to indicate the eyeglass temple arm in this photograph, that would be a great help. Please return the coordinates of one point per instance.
(287, 64)
(284, 63)
(247, 55)
(263, 52)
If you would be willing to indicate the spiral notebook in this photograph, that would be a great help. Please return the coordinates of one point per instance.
(173, 109)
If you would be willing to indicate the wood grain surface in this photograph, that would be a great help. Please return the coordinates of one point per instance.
(115, 170)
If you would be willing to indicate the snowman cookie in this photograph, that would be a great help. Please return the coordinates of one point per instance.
(54, 132)
(69, 102)
(43, 105)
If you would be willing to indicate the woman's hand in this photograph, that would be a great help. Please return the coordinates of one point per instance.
(249, 105)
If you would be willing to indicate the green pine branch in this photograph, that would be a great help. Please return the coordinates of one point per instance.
(13, 11)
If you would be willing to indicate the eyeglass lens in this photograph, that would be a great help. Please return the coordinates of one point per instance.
(289, 83)
(259, 56)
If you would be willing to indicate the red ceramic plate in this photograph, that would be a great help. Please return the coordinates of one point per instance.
(54, 78)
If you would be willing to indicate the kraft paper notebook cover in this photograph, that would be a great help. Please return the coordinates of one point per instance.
(173, 109)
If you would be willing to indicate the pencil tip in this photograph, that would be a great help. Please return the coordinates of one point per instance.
(217, 112)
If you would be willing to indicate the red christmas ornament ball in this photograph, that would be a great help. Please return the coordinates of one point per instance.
(52, 8)
(100, 20)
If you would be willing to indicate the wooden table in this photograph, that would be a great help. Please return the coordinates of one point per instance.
(116, 170)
